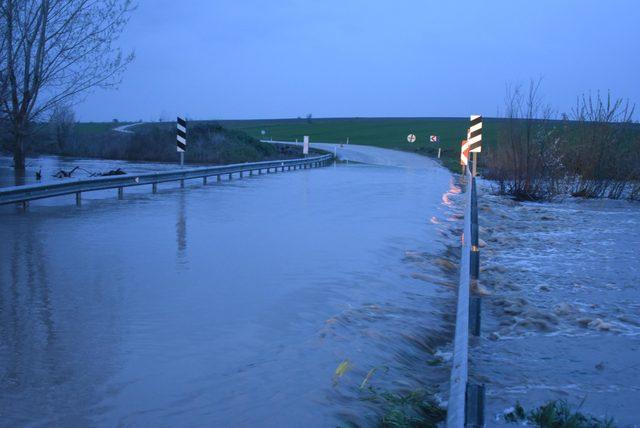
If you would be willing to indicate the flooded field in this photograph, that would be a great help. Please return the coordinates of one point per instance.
(562, 320)
(296, 298)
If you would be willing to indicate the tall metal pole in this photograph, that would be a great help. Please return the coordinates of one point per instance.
(181, 159)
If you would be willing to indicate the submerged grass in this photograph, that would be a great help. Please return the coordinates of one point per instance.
(416, 409)
(557, 414)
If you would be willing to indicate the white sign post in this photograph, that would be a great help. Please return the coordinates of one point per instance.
(305, 145)
(411, 138)
(436, 139)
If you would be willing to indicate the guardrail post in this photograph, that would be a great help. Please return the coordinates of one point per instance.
(474, 411)
(120, 192)
(182, 183)
(154, 188)
(204, 180)
(474, 315)
(78, 198)
(240, 175)
(230, 176)
(24, 204)
(474, 265)
(218, 177)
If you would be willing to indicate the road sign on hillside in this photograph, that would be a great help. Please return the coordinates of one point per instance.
(411, 138)
(433, 138)
(475, 134)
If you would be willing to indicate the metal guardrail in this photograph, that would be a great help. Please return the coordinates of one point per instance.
(24, 194)
(466, 402)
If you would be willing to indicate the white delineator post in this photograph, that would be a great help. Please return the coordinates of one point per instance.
(305, 145)
(181, 138)
(475, 139)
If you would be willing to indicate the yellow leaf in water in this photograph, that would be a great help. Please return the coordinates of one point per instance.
(343, 367)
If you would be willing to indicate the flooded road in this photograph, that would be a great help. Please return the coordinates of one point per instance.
(231, 304)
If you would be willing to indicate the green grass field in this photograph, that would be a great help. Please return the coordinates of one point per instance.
(380, 132)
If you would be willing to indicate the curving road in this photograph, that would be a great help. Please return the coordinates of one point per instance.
(371, 155)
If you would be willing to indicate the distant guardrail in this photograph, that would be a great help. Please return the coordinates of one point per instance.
(24, 194)
(466, 401)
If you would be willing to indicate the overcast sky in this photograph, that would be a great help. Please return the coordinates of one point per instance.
(340, 58)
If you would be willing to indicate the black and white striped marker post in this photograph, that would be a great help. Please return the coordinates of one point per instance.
(475, 139)
(181, 138)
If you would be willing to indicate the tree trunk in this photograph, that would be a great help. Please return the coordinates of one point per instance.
(18, 151)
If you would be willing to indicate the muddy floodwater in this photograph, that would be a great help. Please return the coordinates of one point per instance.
(562, 318)
(266, 301)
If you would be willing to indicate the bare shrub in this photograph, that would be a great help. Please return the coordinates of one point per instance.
(526, 159)
(602, 147)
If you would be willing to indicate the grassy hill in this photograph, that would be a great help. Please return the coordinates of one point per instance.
(209, 143)
(380, 132)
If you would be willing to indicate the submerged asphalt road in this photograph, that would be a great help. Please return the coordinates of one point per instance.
(230, 304)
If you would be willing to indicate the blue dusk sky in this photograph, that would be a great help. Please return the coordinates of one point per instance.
(286, 58)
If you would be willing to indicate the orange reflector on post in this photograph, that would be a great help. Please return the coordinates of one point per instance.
(464, 153)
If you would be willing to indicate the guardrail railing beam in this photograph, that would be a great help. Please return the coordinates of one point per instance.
(24, 194)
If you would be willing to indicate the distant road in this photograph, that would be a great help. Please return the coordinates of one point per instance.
(371, 155)
(125, 128)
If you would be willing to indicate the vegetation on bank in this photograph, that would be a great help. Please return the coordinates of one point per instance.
(556, 414)
(208, 143)
(592, 153)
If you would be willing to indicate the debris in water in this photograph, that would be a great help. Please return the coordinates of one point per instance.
(66, 174)
(367, 377)
(342, 368)
(117, 171)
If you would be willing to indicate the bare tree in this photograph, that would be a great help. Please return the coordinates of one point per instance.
(54, 51)
(526, 158)
(603, 150)
(62, 121)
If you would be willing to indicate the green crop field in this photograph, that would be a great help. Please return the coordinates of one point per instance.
(380, 132)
